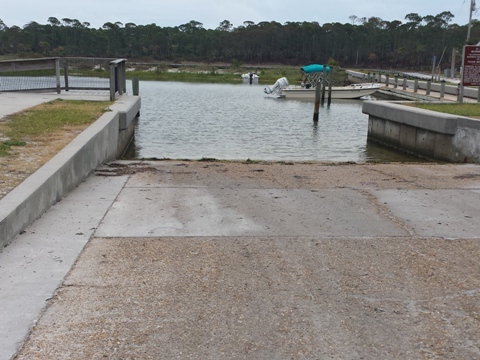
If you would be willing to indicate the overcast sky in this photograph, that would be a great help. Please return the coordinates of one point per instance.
(211, 12)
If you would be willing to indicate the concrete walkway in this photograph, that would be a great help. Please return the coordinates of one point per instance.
(200, 260)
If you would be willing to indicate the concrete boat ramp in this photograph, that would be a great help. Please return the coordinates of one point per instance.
(224, 260)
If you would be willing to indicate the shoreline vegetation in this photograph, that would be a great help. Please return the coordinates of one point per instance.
(219, 74)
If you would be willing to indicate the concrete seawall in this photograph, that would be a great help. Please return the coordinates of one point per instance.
(103, 141)
(422, 132)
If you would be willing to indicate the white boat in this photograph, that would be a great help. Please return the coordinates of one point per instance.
(250, 76)
(354, 91)
(313, 75)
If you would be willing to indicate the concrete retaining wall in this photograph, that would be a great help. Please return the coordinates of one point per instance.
(422, 132)
(103, 141)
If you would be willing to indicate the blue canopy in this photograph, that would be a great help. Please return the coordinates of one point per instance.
(314, 68)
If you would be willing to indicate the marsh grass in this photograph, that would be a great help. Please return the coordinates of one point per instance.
(471, 110)
(208, 74)
(230, 75)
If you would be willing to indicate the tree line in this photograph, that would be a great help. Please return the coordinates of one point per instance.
(361, 42)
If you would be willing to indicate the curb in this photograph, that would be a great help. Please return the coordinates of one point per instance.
(103, 141)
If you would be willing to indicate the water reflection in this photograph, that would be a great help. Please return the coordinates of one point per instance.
(238, 122)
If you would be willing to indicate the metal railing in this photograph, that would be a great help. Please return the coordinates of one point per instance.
(57, 74)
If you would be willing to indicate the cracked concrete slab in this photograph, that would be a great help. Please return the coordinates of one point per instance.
(144, 212)
(442, 213)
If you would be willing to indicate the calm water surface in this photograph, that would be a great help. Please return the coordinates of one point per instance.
(238, 122)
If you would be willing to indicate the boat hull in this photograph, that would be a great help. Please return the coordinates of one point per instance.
(346, 92)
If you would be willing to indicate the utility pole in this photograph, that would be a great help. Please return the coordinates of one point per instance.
(472, 8)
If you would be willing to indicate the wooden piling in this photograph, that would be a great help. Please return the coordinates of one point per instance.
(330, 81)
(317, 102)
(135, 86)
(324, 84)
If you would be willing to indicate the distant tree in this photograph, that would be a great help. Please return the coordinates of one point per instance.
(414, 20)
(67, 21)
(44, 47)
(191, 26)
(225, 25)
(54, 21)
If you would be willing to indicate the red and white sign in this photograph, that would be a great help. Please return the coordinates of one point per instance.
(471, 66)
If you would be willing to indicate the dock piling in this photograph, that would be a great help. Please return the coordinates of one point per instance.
(316, 108)
(330, 81)
(135, 86)
(324, 85)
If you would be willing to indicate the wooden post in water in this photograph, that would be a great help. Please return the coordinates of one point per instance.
(135, 86)
(317, 102)
(330, 81)
(324, 83)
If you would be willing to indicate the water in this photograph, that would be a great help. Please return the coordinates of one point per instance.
(239, 122)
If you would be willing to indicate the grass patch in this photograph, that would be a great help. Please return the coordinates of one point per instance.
(14, 143)
(40, 122)
(6, 146)
(4, 150)
(471, 110)
(49, 117)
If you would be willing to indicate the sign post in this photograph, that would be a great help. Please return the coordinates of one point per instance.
(470, 68)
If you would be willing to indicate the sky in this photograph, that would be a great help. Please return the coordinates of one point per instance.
(211, 13)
